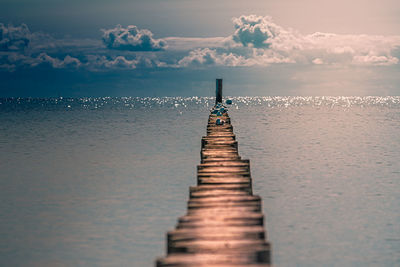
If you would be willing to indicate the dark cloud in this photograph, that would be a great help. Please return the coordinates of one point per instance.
(132, 38)
(67, 62)
(101, 62)
(12, 61)
(14, 38)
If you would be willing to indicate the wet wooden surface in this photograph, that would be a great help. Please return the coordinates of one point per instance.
(223, 225)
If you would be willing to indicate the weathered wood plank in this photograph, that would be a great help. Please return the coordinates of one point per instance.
(227, 187)
(223, 226)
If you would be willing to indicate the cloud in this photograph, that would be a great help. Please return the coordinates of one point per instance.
(12, 61)
(351, 49)
(258, 41)
(375, 60)
(221, 57)
(132, 38)
(104, 63)
(199, 57)
(67, 62)
(209, 57)
(255, 41)
(14, 38)
(96, 62)
(187, 43)
(318, 61)
(21, 49)
(7, 66)
(255, 31)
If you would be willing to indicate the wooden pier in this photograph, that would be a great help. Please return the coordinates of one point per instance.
(224, 224)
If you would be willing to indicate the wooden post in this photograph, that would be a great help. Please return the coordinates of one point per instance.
(218, 91)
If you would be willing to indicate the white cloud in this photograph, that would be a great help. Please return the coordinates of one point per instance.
(258, 41)
(132, 38)
(318, 61)
(351, 49)
(255, 31)
(208, 57)
(187, 43)
(220, 57)
(375, 60)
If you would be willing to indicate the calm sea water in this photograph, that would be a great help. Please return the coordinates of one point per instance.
(98, 181)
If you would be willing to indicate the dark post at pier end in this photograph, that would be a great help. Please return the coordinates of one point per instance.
(218, 91)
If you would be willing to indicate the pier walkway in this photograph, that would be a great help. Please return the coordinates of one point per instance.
(224, 224)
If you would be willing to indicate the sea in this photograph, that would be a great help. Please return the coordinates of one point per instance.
(99, 181)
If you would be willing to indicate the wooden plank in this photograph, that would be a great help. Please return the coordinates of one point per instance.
(237, 163)
(223, 225)
(208, 259)
(223, 169)
(215, 233)
(219, 181)
(223, 208)
(217, 192)
(223, 175)
(226, 187)
(217, 246)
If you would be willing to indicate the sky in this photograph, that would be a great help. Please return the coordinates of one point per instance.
(51, 48)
